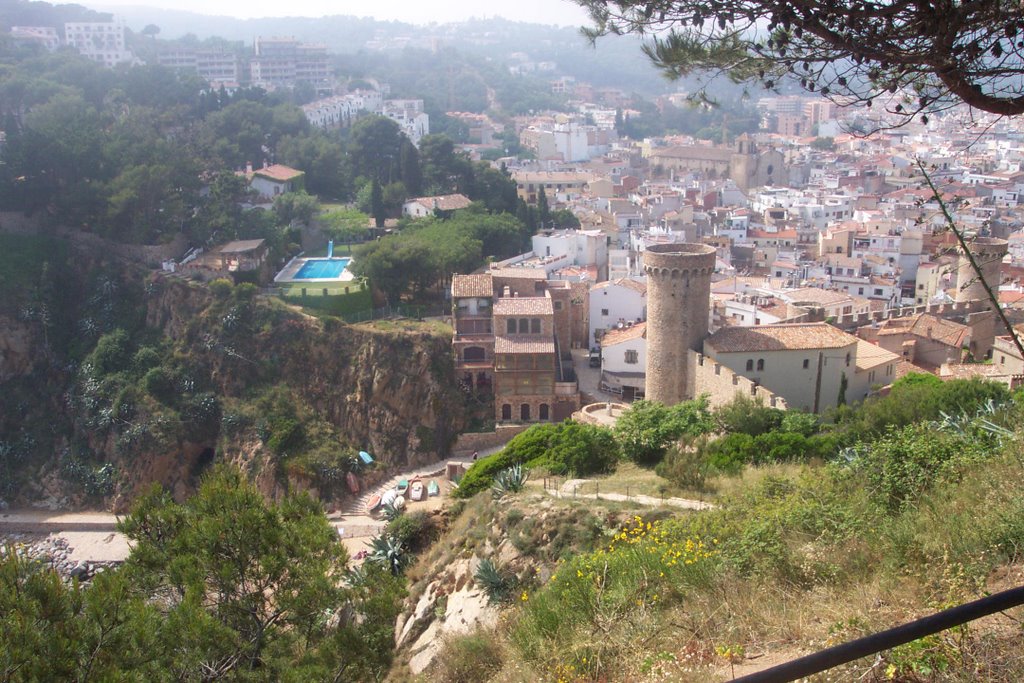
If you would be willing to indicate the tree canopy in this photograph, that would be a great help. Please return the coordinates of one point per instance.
(913, 57)
(222, 587)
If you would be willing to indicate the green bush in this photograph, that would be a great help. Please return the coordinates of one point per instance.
(286, 435)
(111, 353)
(745, 415)
(904, 463)
(807, 424)
(914, 398)
(565, 448)
(647, 430)
(161, 384)
(245, 291)
(221, 288)
(145, 359)
(730, 453)
(414, 531)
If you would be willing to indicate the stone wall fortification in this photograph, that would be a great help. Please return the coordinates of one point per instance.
(722, 384)
(678, 306)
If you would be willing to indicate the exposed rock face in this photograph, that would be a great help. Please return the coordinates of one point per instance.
(17, 348)
(392, 393)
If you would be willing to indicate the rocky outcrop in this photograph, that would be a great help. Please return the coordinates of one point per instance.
(18, 348)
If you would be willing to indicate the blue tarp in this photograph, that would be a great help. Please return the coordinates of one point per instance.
(366, 457)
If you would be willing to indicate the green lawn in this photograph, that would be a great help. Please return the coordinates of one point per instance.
(317, 288)
(339, 250)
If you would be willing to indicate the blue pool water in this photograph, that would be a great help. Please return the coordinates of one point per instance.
(321, 269)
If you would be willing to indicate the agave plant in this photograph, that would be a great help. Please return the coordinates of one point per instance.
(493, 581)
(509, 480)
(389, 552)
(390, 513)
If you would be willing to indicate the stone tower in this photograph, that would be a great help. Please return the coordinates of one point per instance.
(989, 253)
(678, 305)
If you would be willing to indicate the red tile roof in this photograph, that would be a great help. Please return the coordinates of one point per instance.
(279, 172)
(480, 286)
(523, 344)
(783, 337)
(522, 305)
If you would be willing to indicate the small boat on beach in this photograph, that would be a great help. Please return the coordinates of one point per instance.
(416, 491)
(403, 487)
(433, 489)
(374, 502)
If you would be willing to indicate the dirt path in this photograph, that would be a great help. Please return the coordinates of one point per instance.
(571, 489)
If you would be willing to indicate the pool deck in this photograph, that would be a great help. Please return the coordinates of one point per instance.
(287, 274)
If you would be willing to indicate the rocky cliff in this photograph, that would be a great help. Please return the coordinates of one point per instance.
(286, 396)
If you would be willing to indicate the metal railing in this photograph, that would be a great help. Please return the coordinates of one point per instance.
(885, 640)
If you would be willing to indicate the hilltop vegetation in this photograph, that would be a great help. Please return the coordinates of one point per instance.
(890, 510)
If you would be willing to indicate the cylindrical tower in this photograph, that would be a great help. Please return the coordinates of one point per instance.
(678, 304)
(989, 253)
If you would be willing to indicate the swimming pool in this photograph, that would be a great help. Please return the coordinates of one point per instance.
(321, 269)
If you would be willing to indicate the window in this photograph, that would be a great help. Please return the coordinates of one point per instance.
(506, 411)
(760, 364)
(534, 325)
(524, 412)
(604, 311)
(558, 305)
(473, 353)
(847, 360)
(807, 363)
(750, 365)
(632, 357)
(878, 291)
(860, 290)
(1002, 360)
(543, 412)
(524, 326)
(511, 326)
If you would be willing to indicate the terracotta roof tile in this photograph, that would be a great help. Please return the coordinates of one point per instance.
(444, 202)
(616, 336)
(782, 337)
(517, 343)
(481, 285)
(522, 305)
(278, 172)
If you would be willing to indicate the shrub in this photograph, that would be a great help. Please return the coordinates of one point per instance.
(730, 453)
(414, 531)
(745, 415)
(905, 462)
(286, 434)
(111, 353)
(468, 659)
(579, 449)
(685, 467)
(565, 448)
(221, 288)
(161, 384)
(648, 428)
(145, 359)
(245, 291)
(799, 422)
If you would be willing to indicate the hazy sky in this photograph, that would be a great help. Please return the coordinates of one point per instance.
(562, 12)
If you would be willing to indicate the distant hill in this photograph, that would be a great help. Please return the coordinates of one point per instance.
(616, 61)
